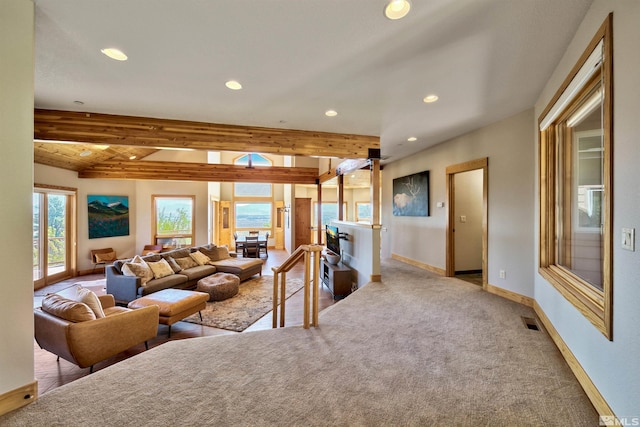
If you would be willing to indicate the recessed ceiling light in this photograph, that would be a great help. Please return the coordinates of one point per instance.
(331, 113)
(233, 85)
(114, 53)
(85, 153)
(430, 98)
(353, 176)
(132, 157)
(412, 138)
(397, 9)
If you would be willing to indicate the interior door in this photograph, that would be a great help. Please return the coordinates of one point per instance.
(279, 226)
(224, 224)
(302, 222)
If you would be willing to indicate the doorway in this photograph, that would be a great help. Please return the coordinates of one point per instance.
(53, 235)
(466, 246)
(302, 232)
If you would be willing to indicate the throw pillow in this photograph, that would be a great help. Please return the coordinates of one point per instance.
(160, 269)
(86, 296)
(173, 264)
(138, 268)
(200, 258)
(186, 263)
(67, 309)
(106, 257)
(217, 253)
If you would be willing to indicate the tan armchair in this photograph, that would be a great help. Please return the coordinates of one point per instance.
(88, 342)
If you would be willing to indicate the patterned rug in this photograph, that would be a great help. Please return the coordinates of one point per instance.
(254, 300)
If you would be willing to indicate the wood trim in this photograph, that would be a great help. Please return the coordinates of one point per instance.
(595, 305)
(185, 171)
(482, 163)
(37, 186)
(375, 278)
(146, 132)
(592, 392)
(18, 397)
(511, 296)
(604, 30)
(418, 264)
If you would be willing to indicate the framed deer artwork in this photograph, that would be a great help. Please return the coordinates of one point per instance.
(411, 195)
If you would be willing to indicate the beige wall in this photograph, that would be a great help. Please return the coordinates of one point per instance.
(509, 145)
(16, 174)
(612, 365)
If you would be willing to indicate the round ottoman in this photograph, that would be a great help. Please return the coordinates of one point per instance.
(219, 286)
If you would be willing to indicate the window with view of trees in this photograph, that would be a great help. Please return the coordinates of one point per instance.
(53, 234)
(173, 220)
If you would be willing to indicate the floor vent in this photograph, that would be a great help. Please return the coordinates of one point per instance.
(530, 323)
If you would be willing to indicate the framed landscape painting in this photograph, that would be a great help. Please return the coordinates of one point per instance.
(411, 195)
(108, 216)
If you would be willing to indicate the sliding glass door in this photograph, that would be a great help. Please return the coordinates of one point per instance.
(53, 236)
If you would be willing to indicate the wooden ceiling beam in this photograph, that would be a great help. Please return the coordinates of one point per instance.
(184, 171)
(145, 132)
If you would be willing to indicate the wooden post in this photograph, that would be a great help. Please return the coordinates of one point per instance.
(283, 294)
(319, 214)
(307, 263)
(341, 197)
(316, 283)
(274, 321)
(375, 192)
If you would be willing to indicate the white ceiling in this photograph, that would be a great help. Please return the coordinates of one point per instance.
(485, 59)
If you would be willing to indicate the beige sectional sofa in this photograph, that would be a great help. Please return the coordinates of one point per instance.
(126, 283)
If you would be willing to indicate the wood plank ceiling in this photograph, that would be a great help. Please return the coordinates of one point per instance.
(60, 138)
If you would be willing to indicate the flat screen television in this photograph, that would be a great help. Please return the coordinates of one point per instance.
(333, 239)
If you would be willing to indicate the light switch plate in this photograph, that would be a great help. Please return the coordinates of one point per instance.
(629, 239)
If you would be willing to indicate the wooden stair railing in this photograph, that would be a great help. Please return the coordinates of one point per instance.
(310, 253)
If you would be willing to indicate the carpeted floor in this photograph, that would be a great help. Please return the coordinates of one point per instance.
(416, 349)
(254, 300)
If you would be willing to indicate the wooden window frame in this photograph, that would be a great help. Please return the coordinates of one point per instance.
(154, 220)
(596, 305)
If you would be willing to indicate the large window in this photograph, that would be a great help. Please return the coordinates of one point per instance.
(575, 185)
(253, 202)
(174, 220)
(253, 215)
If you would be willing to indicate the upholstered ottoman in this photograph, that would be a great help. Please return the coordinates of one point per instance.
(174, 304)
(219, 286)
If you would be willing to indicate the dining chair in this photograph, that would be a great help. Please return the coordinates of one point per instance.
(251, 248)
(254, 233)
(239, 244)
(263, 244)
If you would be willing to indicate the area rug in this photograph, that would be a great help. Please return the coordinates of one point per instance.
(254, 300)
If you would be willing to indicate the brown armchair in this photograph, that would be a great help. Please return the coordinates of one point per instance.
(85, 343)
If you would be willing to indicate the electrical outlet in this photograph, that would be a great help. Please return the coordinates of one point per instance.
(629, 239)
(503, 274)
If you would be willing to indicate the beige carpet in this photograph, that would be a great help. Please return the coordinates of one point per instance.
(415, 350)
(254, 300)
